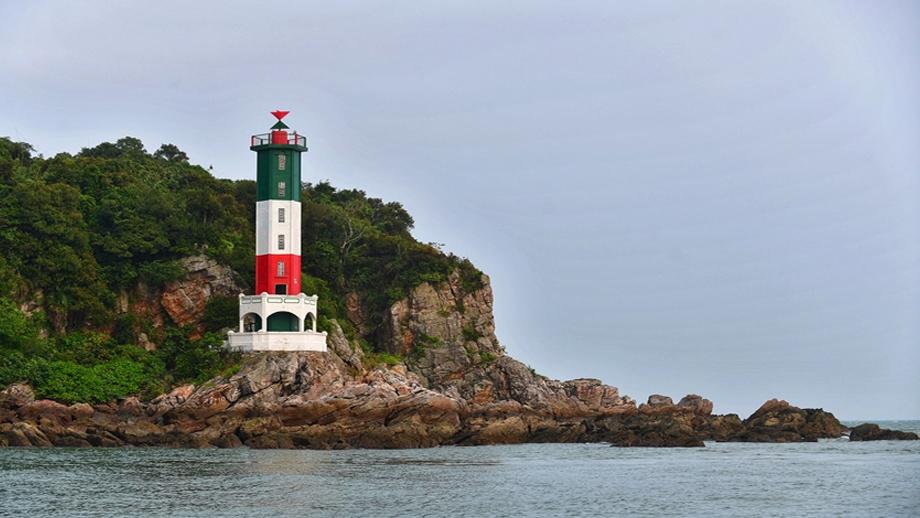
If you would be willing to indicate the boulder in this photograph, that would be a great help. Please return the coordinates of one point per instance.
(23, 433)
(16, 395)
(645, 430)
(48, 409)
(696, 404)
(348, 352)
(185, 300)
(659, 400)
(873, 432)
(778, 421)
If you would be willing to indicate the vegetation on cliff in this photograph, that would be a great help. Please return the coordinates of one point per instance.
(79, 232)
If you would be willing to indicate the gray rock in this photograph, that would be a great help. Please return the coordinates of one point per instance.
(659, 400)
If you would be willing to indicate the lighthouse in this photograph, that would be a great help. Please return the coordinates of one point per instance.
(279, 316)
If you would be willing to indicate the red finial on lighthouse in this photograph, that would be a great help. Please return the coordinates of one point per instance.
(280, 114)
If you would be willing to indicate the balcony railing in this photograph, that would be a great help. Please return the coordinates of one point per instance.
(292, 139)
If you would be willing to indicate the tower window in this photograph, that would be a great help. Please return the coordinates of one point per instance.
(280, 241)
(282, 162)
(281, 215)
(280, 272)
(281, 188)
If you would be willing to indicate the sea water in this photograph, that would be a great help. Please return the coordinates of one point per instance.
(832, 477)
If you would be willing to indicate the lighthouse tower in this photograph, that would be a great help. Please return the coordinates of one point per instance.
(279, 317)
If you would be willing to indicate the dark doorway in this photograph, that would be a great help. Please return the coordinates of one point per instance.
(280, 289)
(282, 321)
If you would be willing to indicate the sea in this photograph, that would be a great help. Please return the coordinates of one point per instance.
(827, 478)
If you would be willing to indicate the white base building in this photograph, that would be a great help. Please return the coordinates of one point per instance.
(277, 323)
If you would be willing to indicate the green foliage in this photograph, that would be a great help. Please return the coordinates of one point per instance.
(125, 330)
(128, 147)
(422, 343)
(69, 382)
(17, 331)
(14, 367)
(486, 357)
(470, 334)
(194, 360)
(171, 153)
(84, 347)
(156, 273)
(221, 313)
(365, 346)
(429, 341)
(470, 276)
(375, 359)
(15, 151)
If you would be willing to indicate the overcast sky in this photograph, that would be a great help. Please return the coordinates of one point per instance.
(674, 197)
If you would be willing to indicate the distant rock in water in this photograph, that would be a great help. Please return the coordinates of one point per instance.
(873, 432)
(778, 421)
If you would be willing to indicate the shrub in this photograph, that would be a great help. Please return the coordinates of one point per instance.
(70, 382)
(84, 347)
(17, 331)
(194, 360)
(470, 334)
(423, 342)
(125, 330)
(375, 359)
(13, 368)
(221, 313)
(470, 276)
(156, 273)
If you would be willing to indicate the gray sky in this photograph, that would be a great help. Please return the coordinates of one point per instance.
(675, 197)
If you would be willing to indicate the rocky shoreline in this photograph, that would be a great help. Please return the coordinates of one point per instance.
(318, 401)
(454, 385)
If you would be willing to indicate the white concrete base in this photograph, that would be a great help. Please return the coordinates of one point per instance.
(277, 341)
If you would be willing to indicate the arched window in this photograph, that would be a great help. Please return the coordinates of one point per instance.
(252, 322)
(280, 269)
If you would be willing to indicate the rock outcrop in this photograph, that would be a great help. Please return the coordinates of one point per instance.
(443, 331)
(778, 421)
(873, 432)
(185, 300)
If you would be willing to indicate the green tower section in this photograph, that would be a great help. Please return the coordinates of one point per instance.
(278, 171)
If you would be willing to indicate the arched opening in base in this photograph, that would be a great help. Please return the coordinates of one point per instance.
(283, 321)
(252, 322)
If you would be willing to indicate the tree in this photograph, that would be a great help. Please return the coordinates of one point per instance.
(131, 147)
(18, 151)
(125, 147)
(171, 153)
